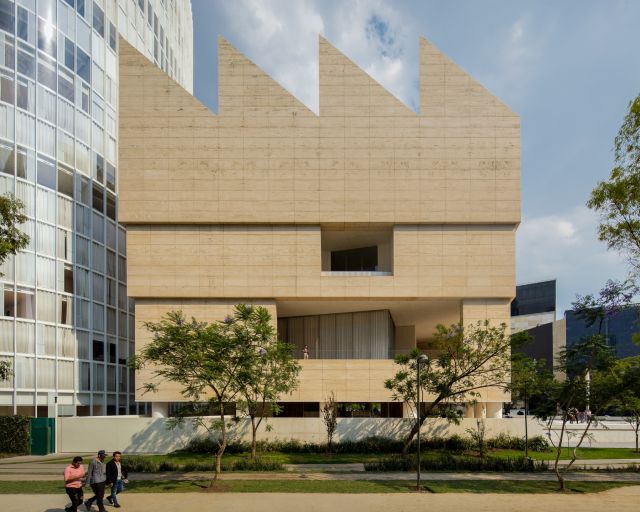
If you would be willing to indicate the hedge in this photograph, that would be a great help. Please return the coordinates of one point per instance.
(15, 434)
(448, 462)
(369, 445)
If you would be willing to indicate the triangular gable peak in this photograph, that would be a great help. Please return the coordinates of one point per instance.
(346, 89)
(244, 87)
(446, 90)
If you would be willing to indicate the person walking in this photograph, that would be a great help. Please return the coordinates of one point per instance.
(96, 478)
(116, 477)
(73, 476)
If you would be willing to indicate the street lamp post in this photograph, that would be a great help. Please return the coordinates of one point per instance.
(526, 411)
(419, 362)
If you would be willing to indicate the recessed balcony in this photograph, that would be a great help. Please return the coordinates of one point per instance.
(359, 251)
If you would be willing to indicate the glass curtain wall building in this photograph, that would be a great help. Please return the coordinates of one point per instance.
(66, 324)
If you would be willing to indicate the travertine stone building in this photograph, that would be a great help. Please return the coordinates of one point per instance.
(360, 228)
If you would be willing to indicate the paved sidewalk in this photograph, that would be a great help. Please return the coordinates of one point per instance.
(619, 500)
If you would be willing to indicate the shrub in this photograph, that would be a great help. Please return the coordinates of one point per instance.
(367, 445)
(539, 444)
(254, 465)
(447, 462)
(506, 442)
(457, 443)
(15, 434)
(381, 445)
(138, 464)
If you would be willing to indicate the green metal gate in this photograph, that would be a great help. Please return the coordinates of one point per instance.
(43, 436)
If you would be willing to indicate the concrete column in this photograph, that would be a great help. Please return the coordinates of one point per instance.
(494, 410)
(480, 410)
(159, 409)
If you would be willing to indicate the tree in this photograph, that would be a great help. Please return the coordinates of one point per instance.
(274, 371)
(5, 370)
(12, 239)
(330, 419)
(592, 383)
(617, 200)
(627, 371)
(471, 359)
(211, 361)
(588, 386)
(526, 374)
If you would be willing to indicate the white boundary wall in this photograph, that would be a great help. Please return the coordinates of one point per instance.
(136, 434)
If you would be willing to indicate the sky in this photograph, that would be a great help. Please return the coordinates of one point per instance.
(569, 69)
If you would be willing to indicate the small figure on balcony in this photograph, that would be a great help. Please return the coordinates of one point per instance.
(305, 352)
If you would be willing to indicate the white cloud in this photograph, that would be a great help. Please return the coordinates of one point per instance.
(565, 246)
(281, 37)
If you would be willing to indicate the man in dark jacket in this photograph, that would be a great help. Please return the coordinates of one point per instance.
(116, 477)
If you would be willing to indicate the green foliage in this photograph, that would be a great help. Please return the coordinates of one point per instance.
(138, 464)
(589, 384)
(5, 370)
(507, 442)
(618, 199)
(15, 434)
(273, 372)
(477, 435)
(470, 359)
(448, 462)
(217, 359)
(626, 378)
(12, 239)
(373, 445)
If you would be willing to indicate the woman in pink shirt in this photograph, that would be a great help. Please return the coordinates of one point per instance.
(73, 476)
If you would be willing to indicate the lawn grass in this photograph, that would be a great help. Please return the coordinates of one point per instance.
(583, 453)
(181, 458)
(346, 458)
(284, 458)
(325, 486)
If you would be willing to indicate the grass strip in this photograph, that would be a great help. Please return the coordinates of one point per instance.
(325, 486)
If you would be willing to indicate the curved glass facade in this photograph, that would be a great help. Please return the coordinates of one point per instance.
(66, 324)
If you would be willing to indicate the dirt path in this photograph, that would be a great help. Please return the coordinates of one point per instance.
(620, 500)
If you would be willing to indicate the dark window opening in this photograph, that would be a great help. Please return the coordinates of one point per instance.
(363, 259)
(201, 409)
(98, 198)
(111, 206)
(299, 409)
(98, 350)
(68, 279)
(370, 410)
